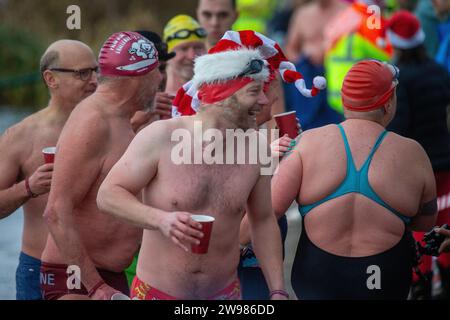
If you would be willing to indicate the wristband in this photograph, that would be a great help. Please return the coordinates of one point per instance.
(29, 192)
(280, 292)
(95, 288)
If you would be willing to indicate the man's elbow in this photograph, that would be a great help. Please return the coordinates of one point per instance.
(51, 214)
(103, 198)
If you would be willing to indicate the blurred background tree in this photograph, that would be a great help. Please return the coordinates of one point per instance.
(28, 26)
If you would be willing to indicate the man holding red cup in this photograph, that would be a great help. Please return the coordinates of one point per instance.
(68, 71)
(174, 194)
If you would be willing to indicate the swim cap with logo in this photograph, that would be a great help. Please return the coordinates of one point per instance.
(127, 53)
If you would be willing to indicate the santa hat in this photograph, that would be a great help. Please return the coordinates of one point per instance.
(231, 48)
(404, 30)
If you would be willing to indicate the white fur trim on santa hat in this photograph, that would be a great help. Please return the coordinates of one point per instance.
(402, 43)
(227, 65)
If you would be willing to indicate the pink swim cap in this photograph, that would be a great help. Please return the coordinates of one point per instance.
(127, 54)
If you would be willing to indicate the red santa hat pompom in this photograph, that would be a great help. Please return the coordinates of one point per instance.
(227, 59)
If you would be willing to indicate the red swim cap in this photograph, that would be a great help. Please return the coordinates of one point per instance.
(368, 85)
(127, 54)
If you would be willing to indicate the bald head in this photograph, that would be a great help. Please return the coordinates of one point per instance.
(60, 51)
(68, 70)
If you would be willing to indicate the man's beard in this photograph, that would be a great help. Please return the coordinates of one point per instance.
(241, 119)
(146, 102)
(149, 105)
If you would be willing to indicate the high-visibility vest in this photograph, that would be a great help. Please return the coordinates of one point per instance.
(361, 43)
(254, 14)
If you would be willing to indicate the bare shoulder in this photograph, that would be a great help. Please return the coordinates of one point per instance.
(303, 12)
(86, 122)
(18, 137)
(317, 135)
(159, 131)
(408, 148)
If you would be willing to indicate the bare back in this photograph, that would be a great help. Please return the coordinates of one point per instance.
(353, 224)
(90, 145)
(221, 191)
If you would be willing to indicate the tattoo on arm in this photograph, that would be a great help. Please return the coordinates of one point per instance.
(429, 208)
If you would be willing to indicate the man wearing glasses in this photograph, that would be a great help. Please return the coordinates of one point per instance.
(94, 138)
(360, 190)
(68, 69)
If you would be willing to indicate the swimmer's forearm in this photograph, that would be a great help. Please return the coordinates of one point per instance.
(266, 241)
(12, 198)
(122, 204)
(244, 232)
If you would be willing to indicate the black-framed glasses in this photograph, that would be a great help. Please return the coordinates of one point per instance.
(186, 33)
(253, 67)
(82, 74)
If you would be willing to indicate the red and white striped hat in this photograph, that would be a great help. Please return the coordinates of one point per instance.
(234, 48)
(404, 31)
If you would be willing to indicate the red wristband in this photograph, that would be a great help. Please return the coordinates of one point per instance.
(280, 292)
(29, 192)
(95, 288)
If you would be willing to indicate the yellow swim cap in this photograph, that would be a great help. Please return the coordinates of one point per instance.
(181, 29)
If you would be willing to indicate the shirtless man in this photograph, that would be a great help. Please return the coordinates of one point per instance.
(94, 138)
(306, 30)
(356, 224)
(166, 269)
(68, 69)
(216, 17)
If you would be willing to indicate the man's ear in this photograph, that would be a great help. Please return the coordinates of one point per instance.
(389, 105)
(50, 79)
(236, 16)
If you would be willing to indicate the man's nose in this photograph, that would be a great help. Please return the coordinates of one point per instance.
(191, 54)
(215, 21)
(94, 78)
(262, 99)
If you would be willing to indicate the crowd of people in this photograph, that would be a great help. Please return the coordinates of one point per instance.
(370, 171)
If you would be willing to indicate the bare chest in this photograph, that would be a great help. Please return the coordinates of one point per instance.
(32, 157)
(195, 188)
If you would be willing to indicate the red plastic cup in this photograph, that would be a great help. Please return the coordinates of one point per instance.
(287, 123)
(49, 154)
(207, 224)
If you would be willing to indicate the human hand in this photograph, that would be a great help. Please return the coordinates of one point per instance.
(445, 246)
(40, 181)
(281, 146)
(181, 229)
(163, 105)
(104, 292)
